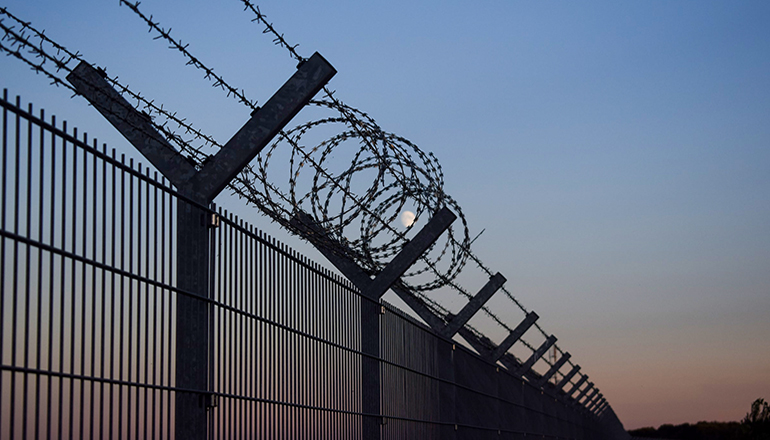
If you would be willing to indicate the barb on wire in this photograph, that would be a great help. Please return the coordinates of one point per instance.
(278, 39)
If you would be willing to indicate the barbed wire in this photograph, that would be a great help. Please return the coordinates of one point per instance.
(399, 179)
(373, 258)
(279, 39)
(191, 60)
(29, 44)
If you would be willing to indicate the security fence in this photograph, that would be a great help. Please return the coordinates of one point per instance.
(104, 335)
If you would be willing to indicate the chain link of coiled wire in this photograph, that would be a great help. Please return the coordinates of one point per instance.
(396, 175)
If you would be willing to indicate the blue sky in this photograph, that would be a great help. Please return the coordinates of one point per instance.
(615, 152)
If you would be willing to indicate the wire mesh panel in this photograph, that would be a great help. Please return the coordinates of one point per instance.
(286, 351)
(410, 378)
(87, 293)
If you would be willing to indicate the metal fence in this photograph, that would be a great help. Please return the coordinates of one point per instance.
(93, 301)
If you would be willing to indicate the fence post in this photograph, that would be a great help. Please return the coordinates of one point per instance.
(371, 291)
(556, 366)
(447, 389)
(192, 326)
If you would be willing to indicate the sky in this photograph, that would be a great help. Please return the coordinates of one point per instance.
(616, 155)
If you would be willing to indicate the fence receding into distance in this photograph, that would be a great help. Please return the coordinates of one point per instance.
(194, 325)
(90, 301)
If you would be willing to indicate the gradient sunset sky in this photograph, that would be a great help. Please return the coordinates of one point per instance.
(617, 154)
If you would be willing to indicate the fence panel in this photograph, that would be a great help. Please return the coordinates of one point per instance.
(87, 289)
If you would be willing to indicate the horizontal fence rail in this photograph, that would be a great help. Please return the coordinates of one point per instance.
(89, 300)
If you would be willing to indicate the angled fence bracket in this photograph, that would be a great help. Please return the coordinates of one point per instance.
(473, 306)
(595, 402)
(577, 385)
(565, 380)
(601, 408)
(590, 397)
(513, 336)
(526, 366)
(556, 366)
(216, 174)
(410, 253)
(582, 393)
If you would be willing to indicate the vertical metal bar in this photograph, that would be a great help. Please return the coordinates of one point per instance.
(239, 352)
(253, 268)
(217, 318)
(254, 275)
(164, 222)
(327, 369)
(14, 274)
(154, 263)
(51, 276)
(273, 267)
(228, 330)
(303, 390)
(281, 319)
(370, 368)
(27, 274)
(313, 349)
(73, 284)
(291, 379)
(137, 245)
(263, 338)
(121, 317)
(39, 364)
(146, 360)
(245, 326)
(2, 241)
(157, 395)
(248, 329)
(94, 251)
(83, 302)
(130, 281)
(222, 335)
(192, 321)
(231, 371)
(103, 331)
(63, 280)
(113, 262)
